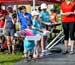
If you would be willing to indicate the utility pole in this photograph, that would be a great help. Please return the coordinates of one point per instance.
(34, 6)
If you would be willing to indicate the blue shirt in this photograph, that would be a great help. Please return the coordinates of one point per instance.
(9, 23)
(45, 16)
(37, 25)
(24, 21)
(28, 45)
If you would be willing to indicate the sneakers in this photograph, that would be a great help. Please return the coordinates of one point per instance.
(45, 53)
(42, 54)
(71, 52)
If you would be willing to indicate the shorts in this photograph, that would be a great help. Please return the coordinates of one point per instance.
(9, 32)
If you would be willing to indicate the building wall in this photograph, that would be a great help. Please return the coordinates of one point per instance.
(27, 6)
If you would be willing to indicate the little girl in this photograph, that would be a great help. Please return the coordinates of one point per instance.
(28, 44)
(39, 30)
(36, 27)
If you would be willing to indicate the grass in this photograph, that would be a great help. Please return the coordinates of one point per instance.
(9, 59)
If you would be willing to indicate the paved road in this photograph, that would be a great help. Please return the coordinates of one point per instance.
(54, 59)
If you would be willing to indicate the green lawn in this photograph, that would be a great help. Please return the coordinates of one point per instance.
(9, 59)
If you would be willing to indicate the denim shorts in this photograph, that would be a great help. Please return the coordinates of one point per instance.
(9, 32)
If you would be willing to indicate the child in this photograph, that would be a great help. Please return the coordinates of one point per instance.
(28, 44)
(36, 27)
(38, 30)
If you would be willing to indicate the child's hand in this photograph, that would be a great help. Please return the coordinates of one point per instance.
(40, 20)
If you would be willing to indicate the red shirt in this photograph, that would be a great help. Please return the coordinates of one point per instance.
(2, 13)
(68, 8)
(74, 15)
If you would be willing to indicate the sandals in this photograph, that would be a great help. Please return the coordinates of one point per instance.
(65, 52)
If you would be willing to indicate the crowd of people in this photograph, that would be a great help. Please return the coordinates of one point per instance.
(37, 22)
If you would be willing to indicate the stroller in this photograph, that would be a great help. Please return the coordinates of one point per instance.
(29, 39)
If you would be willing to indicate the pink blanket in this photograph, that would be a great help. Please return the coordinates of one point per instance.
(26, 32)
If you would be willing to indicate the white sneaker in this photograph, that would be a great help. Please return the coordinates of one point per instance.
(47, 52)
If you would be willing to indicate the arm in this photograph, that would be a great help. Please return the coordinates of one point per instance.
(64, 14)
(56, 19)
(1, 18)
(12, 20)
(73, 12)
(41, 21)
(4, 13)
(67, 13)
(46, 23)
(19, 24)
(5, 24)
(19, 20)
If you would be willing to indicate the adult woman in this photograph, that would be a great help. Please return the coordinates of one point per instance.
(68, 21)
(24, 17)
(10, 29)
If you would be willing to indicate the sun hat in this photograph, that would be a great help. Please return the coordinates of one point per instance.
(43, 6)
(34, 13)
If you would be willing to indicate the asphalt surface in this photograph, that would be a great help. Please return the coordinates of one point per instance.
(53, 59)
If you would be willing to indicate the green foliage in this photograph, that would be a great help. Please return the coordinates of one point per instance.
(57, 7)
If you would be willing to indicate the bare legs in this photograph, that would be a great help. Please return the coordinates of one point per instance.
(72, 46)
(66, 45)
(10, 44)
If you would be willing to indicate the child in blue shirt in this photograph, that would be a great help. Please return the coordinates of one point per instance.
(44, 17)
(36, 27)
(29, 45)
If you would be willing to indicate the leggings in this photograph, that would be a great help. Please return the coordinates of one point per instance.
(69, 30)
